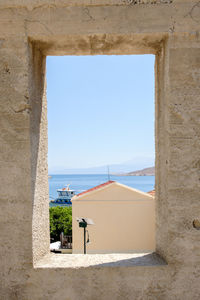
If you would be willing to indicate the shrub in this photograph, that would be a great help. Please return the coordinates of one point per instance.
(60, 221)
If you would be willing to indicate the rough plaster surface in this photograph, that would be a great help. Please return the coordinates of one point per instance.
(74, 261)
(29, 30)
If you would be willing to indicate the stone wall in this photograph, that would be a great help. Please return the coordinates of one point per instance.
(30, 30)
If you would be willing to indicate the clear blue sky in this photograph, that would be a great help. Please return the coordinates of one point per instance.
(100, 110)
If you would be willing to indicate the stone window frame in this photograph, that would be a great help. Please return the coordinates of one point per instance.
(102, 44)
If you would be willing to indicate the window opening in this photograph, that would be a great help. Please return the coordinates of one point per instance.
(101, 153)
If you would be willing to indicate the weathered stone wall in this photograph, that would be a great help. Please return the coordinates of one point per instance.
(29, 32)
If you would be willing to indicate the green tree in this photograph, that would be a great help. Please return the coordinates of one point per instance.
(60, 221)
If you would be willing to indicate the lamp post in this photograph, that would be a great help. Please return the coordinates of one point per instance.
(83, 222)
(83, 225)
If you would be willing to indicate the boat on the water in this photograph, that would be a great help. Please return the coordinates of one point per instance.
(64, 196)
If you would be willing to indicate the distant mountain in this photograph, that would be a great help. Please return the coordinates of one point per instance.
(136, 163)
(143, 172)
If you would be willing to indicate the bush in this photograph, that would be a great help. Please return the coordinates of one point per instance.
(60, 221)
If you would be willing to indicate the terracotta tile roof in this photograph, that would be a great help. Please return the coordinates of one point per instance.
(152, 193)
(96, 187)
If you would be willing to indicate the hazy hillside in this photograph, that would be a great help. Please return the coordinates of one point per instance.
(137, 163)
(144, 172)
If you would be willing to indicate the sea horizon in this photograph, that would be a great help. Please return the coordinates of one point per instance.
(82, 182)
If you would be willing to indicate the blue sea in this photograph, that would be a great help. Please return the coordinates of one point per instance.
(80, 183)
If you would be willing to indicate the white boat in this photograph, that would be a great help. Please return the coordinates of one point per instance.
(64, 196)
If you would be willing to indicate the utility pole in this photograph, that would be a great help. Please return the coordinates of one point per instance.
(108, 174)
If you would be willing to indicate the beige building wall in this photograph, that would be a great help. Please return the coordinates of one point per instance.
(124, 220)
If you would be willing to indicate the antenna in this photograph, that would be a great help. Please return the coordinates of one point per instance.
(108, 173)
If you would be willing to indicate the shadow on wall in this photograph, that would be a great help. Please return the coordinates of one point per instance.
(150, 259)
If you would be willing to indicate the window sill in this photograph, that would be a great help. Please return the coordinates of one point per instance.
(76, 261)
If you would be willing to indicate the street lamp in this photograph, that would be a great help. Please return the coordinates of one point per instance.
(83, 223)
